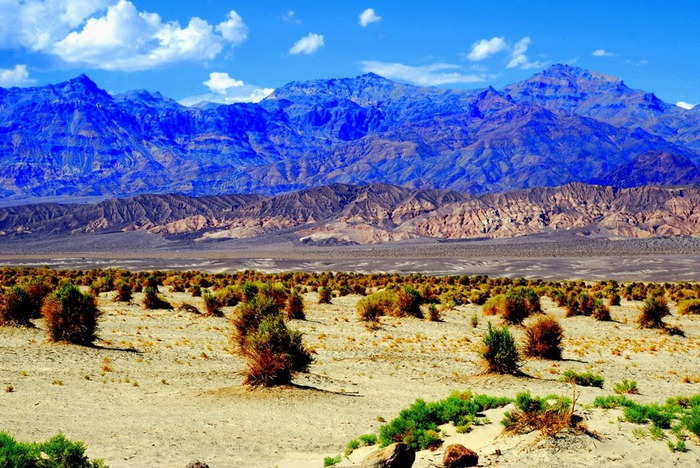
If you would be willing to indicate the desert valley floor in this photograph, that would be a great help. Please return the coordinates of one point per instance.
(162, 388)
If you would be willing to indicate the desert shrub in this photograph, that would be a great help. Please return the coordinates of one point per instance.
(692, 421)
(274, 353)
(37, 290)
(370, 308)
(478, 297)
(368, 439)
(332, 461)
(611, 401)
(516, 307)
(600, 311)
(584, 379)
(614, 300)
(494, 305)
(57, 452)
(324, 295)
(248, 291)
(101, 285)
(407, 302)
(15, 308)
(550, 415)
(211, 304)
(626, 386)
(196, 290)
(433, 313)
(248, 316)
(543, 338)
(152, 300)
(580, 304)
(71, 316)
(277, 292)
(295, 307)
(227, 297)
(124, 291)
(418, 424)
(689, 306)
(500, 352)
(652, 312)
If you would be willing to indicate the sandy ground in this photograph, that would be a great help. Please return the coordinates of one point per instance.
(162, 388)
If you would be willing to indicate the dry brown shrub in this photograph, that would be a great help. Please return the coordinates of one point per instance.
(543, 338)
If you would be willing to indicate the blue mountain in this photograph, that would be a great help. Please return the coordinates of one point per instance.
(562, 125)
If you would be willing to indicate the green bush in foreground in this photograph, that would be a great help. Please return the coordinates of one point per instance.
(683, 409)
(57, 452)
(330, 461)
(626, 386)
(585, 379)
(418, 424)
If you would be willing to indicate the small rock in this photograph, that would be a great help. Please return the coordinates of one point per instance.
(458, 456)
(197, 464)
(392, 456)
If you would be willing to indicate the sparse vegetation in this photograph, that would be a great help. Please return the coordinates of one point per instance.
(153, 300)
(15, 307)
(584, 379)
(57, 452)
(549, 415)
(626, 387)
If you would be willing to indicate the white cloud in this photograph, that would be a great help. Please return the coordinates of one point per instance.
(435, 74)
(116, 37)
(38, 24)
(17, 76)
(220, 82)
(486, 47)
(602, 53)
(518, 59)
(291, 17)
(307, 44)
(226, 90)
(368, 17)
(233, 29)
(685, 105)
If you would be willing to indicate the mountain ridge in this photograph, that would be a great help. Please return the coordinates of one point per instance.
(562, 125)
(374, 213)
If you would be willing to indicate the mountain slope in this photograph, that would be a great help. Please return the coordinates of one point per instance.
(374, 213)
(562, 125)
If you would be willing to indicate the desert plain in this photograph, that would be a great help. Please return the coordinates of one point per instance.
(163, 387)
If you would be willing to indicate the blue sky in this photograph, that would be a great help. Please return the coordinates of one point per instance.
(229, 51)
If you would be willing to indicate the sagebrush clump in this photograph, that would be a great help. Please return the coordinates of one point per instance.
(652, 312)
(71, 316)
(500, 353)
(543, 338)
(15, 307)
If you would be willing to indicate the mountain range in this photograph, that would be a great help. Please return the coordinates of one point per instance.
(349, 214)
(563, 125)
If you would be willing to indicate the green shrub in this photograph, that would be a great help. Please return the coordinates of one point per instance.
(652, 312)
(519, 304)
(227, 297)
(71, 316)
(331, 461)
(580, 304)
(418, 424)
(585, 379)
(368, 439)
(543, 338)
(689, 306)
(248, 316)
(370, 308)
(274, 353)
(499, 351)
(351, 447)
(211, 304)
(57, 452)
(692, 421)
(626, 386)
(16, 308)
(152, 300)
(434, 313)
(494, 305)
(248, 291)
